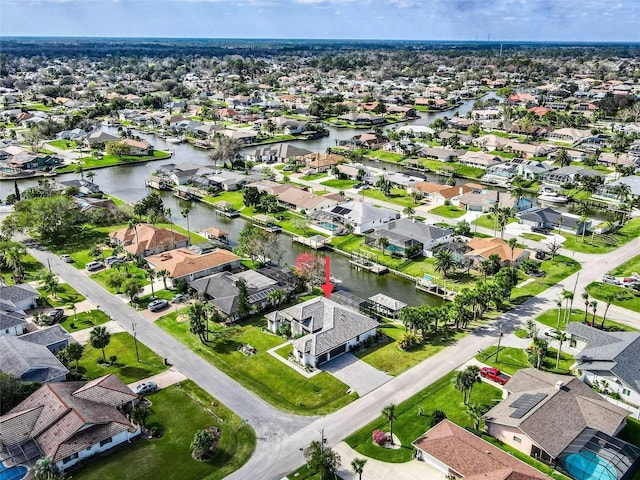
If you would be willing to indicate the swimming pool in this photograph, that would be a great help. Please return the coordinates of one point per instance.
(329, 226)
(586, 465)
(12, 473)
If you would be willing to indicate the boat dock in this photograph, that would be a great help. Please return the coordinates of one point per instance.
(427, 285)
(316, 242)
(366, 261)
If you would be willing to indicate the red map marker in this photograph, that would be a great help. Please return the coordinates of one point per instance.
(327, 286)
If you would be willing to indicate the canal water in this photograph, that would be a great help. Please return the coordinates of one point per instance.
(128, 184)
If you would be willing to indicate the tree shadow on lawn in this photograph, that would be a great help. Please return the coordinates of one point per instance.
(134, 372)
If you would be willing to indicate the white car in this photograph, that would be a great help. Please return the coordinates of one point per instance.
(93, 266)
(550, 332)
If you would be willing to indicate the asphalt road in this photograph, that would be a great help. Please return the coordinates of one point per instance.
(282, 436)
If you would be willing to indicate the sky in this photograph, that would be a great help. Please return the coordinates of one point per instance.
(508, 20)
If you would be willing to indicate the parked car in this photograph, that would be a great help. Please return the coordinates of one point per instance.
(494, 374)
(179, 298)
(550, 332)
(157, 304)
(536, 273)
(540, 255)
(93, 266)
(111, 261)
(145, 387)
(66, 258)
(611, 279)
(55, 314)
(543, 230)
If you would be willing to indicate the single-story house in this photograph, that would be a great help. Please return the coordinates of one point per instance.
(69, 422)
(137, 147)
(569, 135)
(299, 200)
(30, 362)
(279, 152)
(408, 237)
(479, 159)
(84, 187)
(185, 264)
(484, 200)
(323, 329)
(12, 323)
(15, 298)
(363, 216)
(362, 119)
(458, 454)
(483, 248)
(607, 356)
(610, 190)
(322, 162)
(440, 154)
(569, 174)
(54, 338)
(561, 421)
(549, 218)
(439, 194)
(145, 239)
(97, 138)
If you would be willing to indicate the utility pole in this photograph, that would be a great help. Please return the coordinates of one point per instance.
(499, 338)
(135, 340)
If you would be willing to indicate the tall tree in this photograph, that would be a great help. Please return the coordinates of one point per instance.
(224, 148)
(357, 465)
(99, 337)
(74, 353)
(445, 262)
(389, 414)
(322, 459)
(185, 214)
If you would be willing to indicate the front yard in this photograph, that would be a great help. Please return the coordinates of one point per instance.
(409, 425)
(623, 297)
(510, 360)
(448, 211)
(339, 184)
(83, 320)
(126, 366)
(111, 160)
(169, 457)
(397, 196)
(550, 318)
(489, 221)
(602, 243)
(269, 378)
(555, 270)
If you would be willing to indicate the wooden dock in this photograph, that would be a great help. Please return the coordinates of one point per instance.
(317, 242)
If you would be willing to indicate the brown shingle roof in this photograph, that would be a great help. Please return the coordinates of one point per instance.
(471, 456)
(182, 261)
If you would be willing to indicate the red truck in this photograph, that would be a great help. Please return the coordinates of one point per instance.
(494, 374)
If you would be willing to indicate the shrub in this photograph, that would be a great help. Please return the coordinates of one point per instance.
(436, 417)
(409, 340)
(379, 437)
(113, 359)
(285, 330)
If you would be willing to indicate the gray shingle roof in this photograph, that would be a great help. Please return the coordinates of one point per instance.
(29, 361)
(11, 319)
(12, 294)
(47, 336)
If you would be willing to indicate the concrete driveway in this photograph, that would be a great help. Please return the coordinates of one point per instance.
(163, 380)
(360, 376)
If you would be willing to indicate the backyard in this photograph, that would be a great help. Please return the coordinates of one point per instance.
(409, 425)
(269, 378)
(126, 366)
(169, 457)
(110, 160)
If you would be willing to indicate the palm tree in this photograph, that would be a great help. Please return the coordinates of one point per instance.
(140, 415)
(50, 282)
(163, 274)
(495, 210)
(409, 211)
(276, 297)
(224, 148)
(357, 465)
(594, 307)
(512, 242)
(567, 295)
(74, 352)
(585, 297)
(167, 215)
(99, 337)
(91, 175)
(383, 243)
(389, 414)
(610, 297)
(475, 412)
(151, 275)
(562, 158)
(45, 469)
(445, 262)
(559, 305)
(384, 185)
(561, 337)
(78, 170)
(185, 214)
(199, 320)
(12, 258)
(133, 225)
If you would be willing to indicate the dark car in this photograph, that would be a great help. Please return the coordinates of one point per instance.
(157, 304)
(540, 255)
(55, 314)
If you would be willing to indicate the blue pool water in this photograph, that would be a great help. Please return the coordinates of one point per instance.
(586, 465)
(12, 473)
(329, 226)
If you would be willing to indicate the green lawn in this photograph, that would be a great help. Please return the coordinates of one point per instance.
(84, 320)
(631, 433)
(126, 367)
(65, 295)
(127, 268)
(339, 184)
(63, 144)
(272, 380)
(628, 268)
(532, 236)
(110, 160)
(384, 156)
(441, 395)
(169, 457)
(628, 297)
(489, 221)
(510, 360)
(460, 170)
(602, 243)
(556, 270)
(388, 358)
(397, 196)
(314, 176)
(448, 211)
(234, 198)
(32, 270)
(550, 318)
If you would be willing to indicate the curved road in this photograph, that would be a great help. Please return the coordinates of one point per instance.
(282, 436)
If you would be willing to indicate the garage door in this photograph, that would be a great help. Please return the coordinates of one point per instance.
(338, 351)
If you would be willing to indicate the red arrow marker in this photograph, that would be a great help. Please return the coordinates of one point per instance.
(327, 286)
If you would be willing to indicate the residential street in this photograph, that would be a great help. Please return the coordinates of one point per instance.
(282, 436)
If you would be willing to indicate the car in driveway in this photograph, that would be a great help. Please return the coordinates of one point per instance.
(542, 230)
(111, 261)
(145, 387)
(55, 314)
(66, 258)
(550, 332)
(179, 298)
(494, 374)
(540, 255)
(157, 304)
(93, 266)
(611, 279)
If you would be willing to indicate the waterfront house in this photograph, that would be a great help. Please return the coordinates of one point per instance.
(609, 191)
(483, 248)
(561, 421)
(322, 329)
(479, 159)
(439, 194)
(300, 200)
(279, 152)
(440, 154)
(70, 422)
(98, 138)
(322, 162)
(569, 174)
(137, 147)
(407, 237)
(549, 218)
(362, 119)
(186, 264)
(484, 200)
(179, 174)
(363, 216)
(458, 453)
(607, 358)
(568, 135)
(145, 239)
